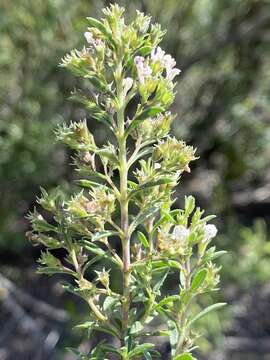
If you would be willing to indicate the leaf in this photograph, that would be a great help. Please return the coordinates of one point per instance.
(108, 155)
(109, 302)
(147, 355)
(97, 83)
(85, 325)
(158, 285)
(145, 50)
(198, 279)
(173, 335)
(185, 356)
(142, 153)
(142, 216)
(164, 180)
(51, 265)
(110, 349)
(103, 234)
(98, 251)
(214, 255)
(87, 183)
(163, 219)
(206, 311)
(102, 28)
(136, 327)
(147, 113)
(143, 240)
(91, 262)
(140, 349)
(168, 300)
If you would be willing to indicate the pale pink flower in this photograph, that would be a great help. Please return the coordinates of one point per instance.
(158, 55)
(91, 40)
(143, 69)
(166, 61)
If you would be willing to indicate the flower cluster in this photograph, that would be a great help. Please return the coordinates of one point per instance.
(186, 233)
(174, 155)
(154, 128)
(157, 62)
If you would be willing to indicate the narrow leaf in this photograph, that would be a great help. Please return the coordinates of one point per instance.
(198, 279)
(206, 311)
(147, 113)
(143, 240)
(185, 356)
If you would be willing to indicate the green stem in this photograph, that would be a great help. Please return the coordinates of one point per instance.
(123, 203)
(181, 322)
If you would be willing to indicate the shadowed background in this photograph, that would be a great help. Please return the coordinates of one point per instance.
(223, 106)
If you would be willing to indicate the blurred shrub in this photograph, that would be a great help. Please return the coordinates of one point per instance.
(34, 35)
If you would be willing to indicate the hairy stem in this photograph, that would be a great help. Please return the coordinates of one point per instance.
(181, 323)
(124, 205)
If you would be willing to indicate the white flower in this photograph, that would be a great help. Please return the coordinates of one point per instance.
(210, 231)
(172, 73)
(89, 37)
(180, 232)
(166, 61)
(91, 40)
(127, 84)
(143, 69)
(158, 55)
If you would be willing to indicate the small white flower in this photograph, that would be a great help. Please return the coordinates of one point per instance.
(180, 232)
(127, 84)
(172, 73)
(89, 37)
(143, 69)
(210, 232)
(158, 55)
(166, 61)
(91, 40)
(157, 166)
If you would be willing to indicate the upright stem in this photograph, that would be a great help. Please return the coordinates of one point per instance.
(125, 239)
(124, 203)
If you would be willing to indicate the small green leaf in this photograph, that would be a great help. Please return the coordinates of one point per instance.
(85, 325)
(158, 285)
(147, 113)
(143, 216)
(107, 154)
(102, 28)
(97, 83)
(189, 204)
(89, 184)
(206, 311)
(109, 302)
(103, 234)
(143, 240)
(198, 279)
(185, 356)
(168, 300)
(136, 327)
(142, 187)
(140, 349)
(147, 355)
(173, 335)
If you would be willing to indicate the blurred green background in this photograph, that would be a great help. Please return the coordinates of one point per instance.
(223, 106)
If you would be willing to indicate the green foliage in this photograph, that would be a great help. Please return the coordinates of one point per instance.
(119, 62)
